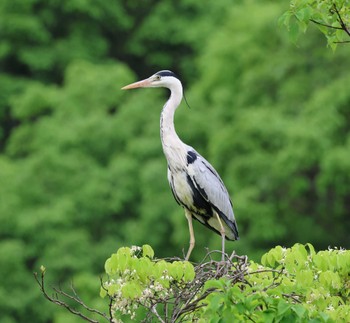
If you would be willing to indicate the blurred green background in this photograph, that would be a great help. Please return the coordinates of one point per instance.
(82, 171)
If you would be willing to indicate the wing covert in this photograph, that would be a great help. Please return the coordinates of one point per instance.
(210, 185)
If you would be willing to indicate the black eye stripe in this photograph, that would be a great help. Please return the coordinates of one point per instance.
(166, 73)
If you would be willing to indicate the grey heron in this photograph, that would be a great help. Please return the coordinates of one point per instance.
(194, 182)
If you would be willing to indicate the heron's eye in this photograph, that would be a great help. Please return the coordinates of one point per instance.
(158, 77)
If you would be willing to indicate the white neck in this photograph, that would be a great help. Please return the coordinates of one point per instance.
(174, 149)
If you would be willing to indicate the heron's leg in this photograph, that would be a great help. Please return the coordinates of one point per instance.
(222, 232)
(192, 239)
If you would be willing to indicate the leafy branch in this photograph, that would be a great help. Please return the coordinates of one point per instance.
(340, 20)
(295, 283)
(330, 16)
(186, 297)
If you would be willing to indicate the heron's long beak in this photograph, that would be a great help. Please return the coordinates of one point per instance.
(143, 83)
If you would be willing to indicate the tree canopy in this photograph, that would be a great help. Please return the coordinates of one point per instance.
(81, 167)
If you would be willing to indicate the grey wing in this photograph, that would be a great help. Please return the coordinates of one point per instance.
(212, 188)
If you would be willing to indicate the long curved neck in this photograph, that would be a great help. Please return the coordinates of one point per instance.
(173, 147)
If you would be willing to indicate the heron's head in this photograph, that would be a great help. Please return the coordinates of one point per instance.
(161, 79)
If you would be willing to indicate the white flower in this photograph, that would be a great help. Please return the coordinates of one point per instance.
(135, 248)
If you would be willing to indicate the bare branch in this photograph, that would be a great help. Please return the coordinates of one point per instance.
(77, 299)
(325, 25)
(294, 297)
(55, 300)
(154, 311)
(342, 42)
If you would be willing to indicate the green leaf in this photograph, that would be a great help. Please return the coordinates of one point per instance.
(299, 310)
(111, 265)
(294, 32)
(273, 256)
(160, 268)
(311, 249)
(284, 19)
(302, 26)
(176, 270)
(131, 290)
(300, 251)
(164, 282)
(103, 292)
(124, 251)
(113, 289)
(304, 14)
(282, 307)
(304, 278)
(216, 284)
(188, 271)
(330, 279)
(144, 269)
(264, 259)
(147, 251)
(216, 301)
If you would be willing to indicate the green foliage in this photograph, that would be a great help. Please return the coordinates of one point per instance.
(136, 280)
(253, 304)
(321, 279)
(330, 16)
(291, 285)
(294, 284)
